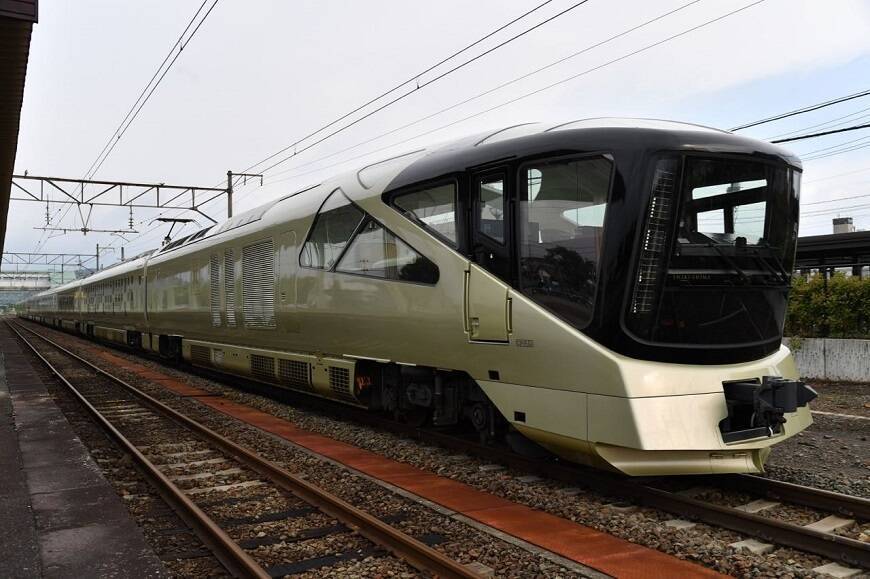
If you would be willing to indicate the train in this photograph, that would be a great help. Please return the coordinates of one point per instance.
(611, 291)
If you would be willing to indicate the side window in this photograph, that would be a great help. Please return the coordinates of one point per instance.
(335, 223)
(377, 252)
(491, 209)
(434, 208)
(562, 204)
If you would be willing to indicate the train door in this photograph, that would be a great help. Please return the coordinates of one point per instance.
(486, 282)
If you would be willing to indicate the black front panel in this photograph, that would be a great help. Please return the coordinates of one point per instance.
(715, 256)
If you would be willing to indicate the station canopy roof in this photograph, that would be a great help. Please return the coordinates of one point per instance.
(16, 23)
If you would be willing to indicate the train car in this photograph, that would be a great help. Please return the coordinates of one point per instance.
(612, 290)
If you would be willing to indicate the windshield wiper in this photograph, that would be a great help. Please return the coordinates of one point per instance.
(779, 270)
(741, 273)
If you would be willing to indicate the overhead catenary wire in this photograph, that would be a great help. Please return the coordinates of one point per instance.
(595, 68)
(823, 133)
(863, 196)
(826, 124)
(488, 91)
(837, 146)
(803, 110)
(401, 97)
(145, 88)
(559, 82)
(423, 72)
(837, 152)
(124, 127)
(837, 175)
(147, 91)
(401, 84)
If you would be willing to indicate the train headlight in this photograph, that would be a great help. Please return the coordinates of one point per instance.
(654, 242)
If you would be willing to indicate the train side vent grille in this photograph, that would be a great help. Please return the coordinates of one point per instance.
(339, 383)
(230, 287)
(200, 355)
(215, 287)
(294, 373)
(258, 284)
(263, 366)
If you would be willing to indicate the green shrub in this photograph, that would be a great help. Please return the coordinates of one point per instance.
(838, 307)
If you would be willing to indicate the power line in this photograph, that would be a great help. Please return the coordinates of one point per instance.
(837, 152)
(144, 89)
(418, 75)
(145, 95)
(587, 71)
(822, 134)
(837, 146)
(404, 95)
(837, 175)
(415, 77)
(484, 93)
(838, 199)
(830, 123)
(142, 99)
(803, 110)
(552, 85)
(401, 84)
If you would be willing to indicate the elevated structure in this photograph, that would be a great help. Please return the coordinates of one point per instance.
(837, 250)
(16, 23)
(18, 286)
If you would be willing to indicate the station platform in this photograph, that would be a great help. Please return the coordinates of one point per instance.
(59, 517)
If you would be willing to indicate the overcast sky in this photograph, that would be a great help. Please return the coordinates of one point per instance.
(258, 75)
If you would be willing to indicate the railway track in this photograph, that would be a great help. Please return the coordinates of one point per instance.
(655, 493)
(190, 465)
(651, 492)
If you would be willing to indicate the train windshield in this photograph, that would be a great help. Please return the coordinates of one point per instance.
(717, 253)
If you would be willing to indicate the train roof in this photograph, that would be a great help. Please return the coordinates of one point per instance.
(592, 134)
(502, 144)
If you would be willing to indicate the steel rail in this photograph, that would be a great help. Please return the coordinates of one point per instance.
(414, 552)
(835, 547)
(228, 552)
(857, 507)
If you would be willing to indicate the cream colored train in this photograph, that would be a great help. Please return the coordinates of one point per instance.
(613, 290)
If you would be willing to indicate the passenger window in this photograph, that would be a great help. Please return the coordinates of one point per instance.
(335, 223)
(377, 252)
(491, 211)
(562, 205)
(434, 208)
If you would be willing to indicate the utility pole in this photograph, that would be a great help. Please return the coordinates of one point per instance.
(229, 189)
(98, 257)
(229, 194)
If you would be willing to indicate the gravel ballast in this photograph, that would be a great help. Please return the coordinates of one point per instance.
(703, 544)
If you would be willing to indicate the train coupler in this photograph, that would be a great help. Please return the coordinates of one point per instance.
(757, 408)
